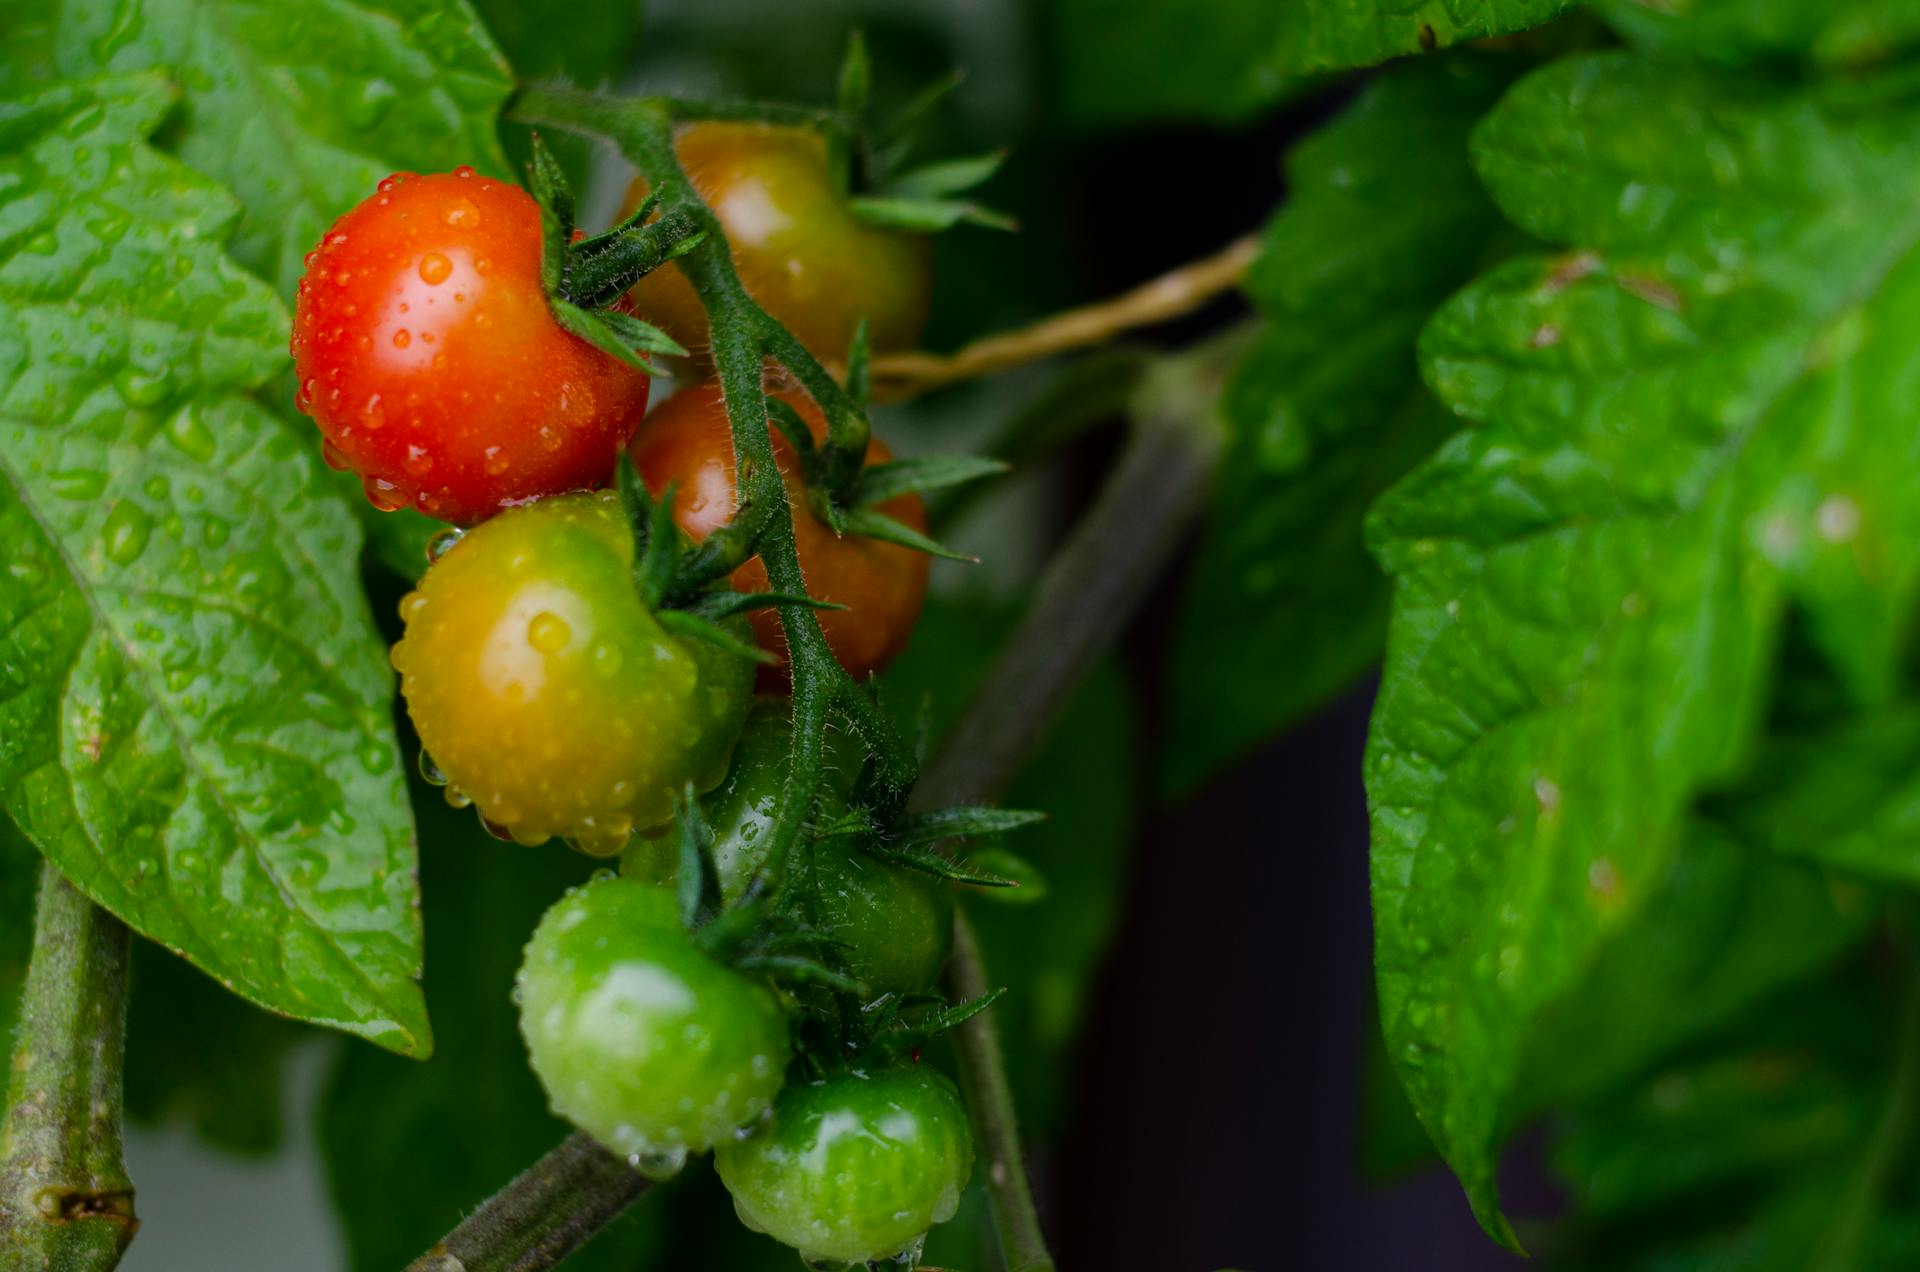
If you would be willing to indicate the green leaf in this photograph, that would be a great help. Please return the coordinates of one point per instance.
(1386, 219)
(194, 708)
(1702, 414)
(1725, 927)
(1222, 61)
(926, 216)
(443, 1135)
(1836, 34)
(299, 107)
(881, 482)
(1758, 1150)
(1847, 796)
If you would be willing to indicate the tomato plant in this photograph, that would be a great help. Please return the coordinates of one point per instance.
(427, 354)
(1484, 431)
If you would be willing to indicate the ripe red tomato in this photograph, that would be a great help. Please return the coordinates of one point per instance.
(687, 441)
(429, 358)
(800, 251)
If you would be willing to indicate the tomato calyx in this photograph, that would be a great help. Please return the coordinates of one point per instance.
(873, 165)
(585, 277)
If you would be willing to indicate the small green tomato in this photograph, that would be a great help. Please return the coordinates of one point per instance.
(642, 1040)
(856, 1167)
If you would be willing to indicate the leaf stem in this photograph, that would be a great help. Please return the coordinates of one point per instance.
(1089, 591)
(1177, 292)
(549, 1210)
(66, 1202)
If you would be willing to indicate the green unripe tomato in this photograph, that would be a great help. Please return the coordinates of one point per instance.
(894, 925)
(641, 1040)
(856, 1167)
(546, 691)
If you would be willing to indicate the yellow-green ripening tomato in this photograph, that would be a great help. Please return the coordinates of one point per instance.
(547, 693)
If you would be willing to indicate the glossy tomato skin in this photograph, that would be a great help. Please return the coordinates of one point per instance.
(799, 250)
(640, 1039)
(856, 1166)
(687, 441)
(545, 690)
(428, 356)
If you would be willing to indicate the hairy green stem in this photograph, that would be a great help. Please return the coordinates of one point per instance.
(66, 1203)
(550, 1210)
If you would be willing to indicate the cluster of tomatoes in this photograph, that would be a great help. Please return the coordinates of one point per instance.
(552, 699)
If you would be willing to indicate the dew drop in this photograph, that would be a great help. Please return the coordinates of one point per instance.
(607, 658)
(455, 797)
(127, 530)
(376, 758)
(143, 388)
(659, 1163)
(402, 338)
(383, 494)
(438, 546)
(463, 215)
(548, 632)
(414, 603)
(77, 483)
(336, 460)
(418, 461)
(186, 431)
(435, 269)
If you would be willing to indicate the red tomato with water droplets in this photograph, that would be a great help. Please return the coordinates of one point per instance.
(428, 356)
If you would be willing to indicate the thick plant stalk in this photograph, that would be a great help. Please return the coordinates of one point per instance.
(550, 1210)
(1087, 595)
(66, 1203)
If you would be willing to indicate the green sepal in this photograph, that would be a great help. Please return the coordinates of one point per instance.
(878, 483)
(698, 884)
(725, 603)
(591, 328)
(860, 370)
(781, 415)
(959, 823)
(943, 178)
(878, 525)
(894, 1037)
(927, 216)
(1029, 884)
(685, 623)
(801, 970)
(889, 146)
(640, 335)
(555, 197)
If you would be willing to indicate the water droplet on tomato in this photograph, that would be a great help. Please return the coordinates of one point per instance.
(418, 461)
(402, 338)
(435, 269)
(383, 494)
(455, 797)
(548, 632)
(438, 546)
(335, 459)
(659, 1163)
(463, 215)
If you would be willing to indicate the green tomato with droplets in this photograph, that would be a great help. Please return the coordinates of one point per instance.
(856, 1167)
(641, 1039)
(545, 690)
